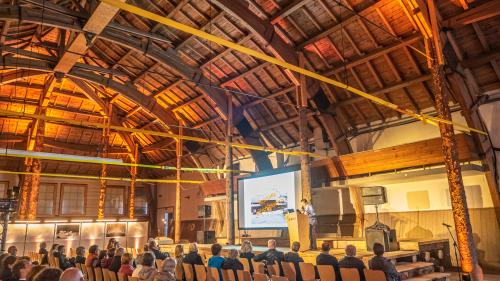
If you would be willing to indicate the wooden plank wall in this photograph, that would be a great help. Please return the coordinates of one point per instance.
(428, 224)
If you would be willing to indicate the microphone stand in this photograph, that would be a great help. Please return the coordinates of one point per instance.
(455, 247)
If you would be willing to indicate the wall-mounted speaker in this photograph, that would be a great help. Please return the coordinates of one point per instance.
(204, 211)
(205, 237)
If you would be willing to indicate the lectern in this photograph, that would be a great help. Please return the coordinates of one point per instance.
(298, 229)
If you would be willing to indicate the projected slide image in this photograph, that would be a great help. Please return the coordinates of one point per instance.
(268, 207)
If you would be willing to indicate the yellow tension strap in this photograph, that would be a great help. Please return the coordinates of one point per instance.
(273, 60)
(8, 113)
(99, 178)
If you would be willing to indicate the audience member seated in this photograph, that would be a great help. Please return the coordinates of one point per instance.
(379, 262)
(12, 250)
(351, 261)
(293, 256)
(72, 274)
(48, 274)
(126, 267)
(148, 270)
(80, 256)
(179, 257)
(216, 260)
(246, 253)
(111, 244)
(272, 255)
(166, 272)
(64, 262)
(97, 261)
(45, 259)
(153, 247)
(43, 249)
(107, 260)
(34, 271)
(138, 262)
(192, 257)
(232, 262)
(324, 258)
(20, 269)
(92, 256)
(6, 273)
(116, 263)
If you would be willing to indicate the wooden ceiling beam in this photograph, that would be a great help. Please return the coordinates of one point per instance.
(482, 12)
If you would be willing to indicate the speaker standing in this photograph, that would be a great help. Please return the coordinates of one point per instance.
(308, 209)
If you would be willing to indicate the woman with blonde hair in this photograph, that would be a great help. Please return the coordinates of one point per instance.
(246, 253)
(193, 257)
(166, 272)
(179, 256)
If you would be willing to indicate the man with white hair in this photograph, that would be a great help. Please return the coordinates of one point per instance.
(71, 274)
(272, 255)
(351, 261)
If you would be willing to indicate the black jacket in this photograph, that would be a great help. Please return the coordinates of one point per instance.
(295, 258)
(270, 256)
(116, 263)
(43, 251)
(158, 254)
(233, 264)
(249, 257)
(353, 262)
(64, 262)
(381, 263)
(192, 258)
(327, 259)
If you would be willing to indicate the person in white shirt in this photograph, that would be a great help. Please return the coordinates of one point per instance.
(308, 209)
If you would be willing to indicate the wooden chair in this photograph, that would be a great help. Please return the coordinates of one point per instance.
(228, 275)
(273, 269)
(201, 272)
(90, 272)
(112, 276)
(130, 278)
(56, 262)
(374, 275)
(245, 263)
(85, 272)
(98, 274)
(258, 267)
(105, 274)
(79, 266)
(289, 270)
(326, 273)
(188, 271)
(158, 263)
(307, 271)
(179, 272)
(213, 274)
(259, 277)
(351, 274)
(121, 276)
(280, 278)
(244, 275)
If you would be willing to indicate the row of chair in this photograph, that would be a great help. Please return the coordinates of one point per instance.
(102, 274)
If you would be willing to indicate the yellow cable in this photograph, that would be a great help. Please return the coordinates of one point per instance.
(8, 113)
(276, 61)
(99, 178)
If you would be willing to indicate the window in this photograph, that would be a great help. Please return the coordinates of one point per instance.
(46, 199)
(141, 201)
(4, 186)
(115, 200)
(73, 199)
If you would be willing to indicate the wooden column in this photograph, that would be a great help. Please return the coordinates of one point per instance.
(133, 176)
(177, 219)
(457, 192)
(104, 172)
(36, 168)
(25, 188)
(305, 167)
(357, 203)
(229, 174)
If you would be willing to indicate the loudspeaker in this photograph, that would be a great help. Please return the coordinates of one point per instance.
(205, 237)
(386, 238)
(204, 211)
(375, 195)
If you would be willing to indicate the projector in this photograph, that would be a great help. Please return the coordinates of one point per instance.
(164, 240)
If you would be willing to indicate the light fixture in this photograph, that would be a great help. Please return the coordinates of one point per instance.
(55, 221)
(22, 221)
(81, 220)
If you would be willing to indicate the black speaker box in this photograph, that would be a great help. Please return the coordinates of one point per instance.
(205, 237)
(204, 211)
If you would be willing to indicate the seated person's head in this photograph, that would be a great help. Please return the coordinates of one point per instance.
(179, 250)
(102, 254)
(378, 249)
(43, 245)
(48, 274)
(216, 248)
(325, 247)
(21, 268)
(80, 251)
(94, 249)
(168, 265)
(233, 254)
(119, 252)
(138, 259)
(12, 250)
(127, 258)
(71, 274)
(271, 244)
(148, 259)
(193, 247)
(54, 247)
(111, 252)
(152, 244)
(295, 246)
(246, 247)
(61, 249)
(350, 250)
(34, 271)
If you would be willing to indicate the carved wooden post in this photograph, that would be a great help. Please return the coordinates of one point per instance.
(177, 219)
(229, 175)
(133, 176)
(36, 168)
(104, 172)
(305, 168)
